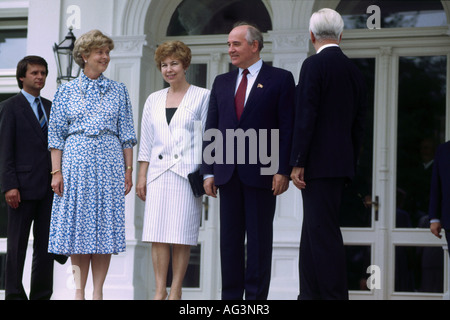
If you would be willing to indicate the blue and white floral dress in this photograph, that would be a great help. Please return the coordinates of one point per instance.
(91, 121)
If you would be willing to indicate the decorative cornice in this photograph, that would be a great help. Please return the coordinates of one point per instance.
(289, 41)
(128, 46)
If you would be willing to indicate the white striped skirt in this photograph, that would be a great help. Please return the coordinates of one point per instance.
(172, 213)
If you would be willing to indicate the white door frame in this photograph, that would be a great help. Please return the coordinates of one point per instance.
(386, 46)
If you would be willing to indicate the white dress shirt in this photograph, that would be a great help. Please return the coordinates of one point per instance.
(327, 46)
(251, 77)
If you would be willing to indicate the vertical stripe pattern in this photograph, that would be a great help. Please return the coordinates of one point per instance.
(41, 116)
(172, 213)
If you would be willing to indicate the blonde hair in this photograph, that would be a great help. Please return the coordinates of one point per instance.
(176, 49)
(89, 41)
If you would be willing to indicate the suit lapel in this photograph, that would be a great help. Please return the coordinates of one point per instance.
(168, 128)
(31, 117)
(229, 86)
(162, 117)
(181, 106)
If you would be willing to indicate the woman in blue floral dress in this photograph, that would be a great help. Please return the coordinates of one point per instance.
(91, 136)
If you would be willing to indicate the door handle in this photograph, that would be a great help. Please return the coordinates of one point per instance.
(375, 204)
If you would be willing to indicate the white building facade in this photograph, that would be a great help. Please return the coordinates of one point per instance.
(403, 48)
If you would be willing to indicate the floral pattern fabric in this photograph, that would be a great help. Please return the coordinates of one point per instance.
(91, 121)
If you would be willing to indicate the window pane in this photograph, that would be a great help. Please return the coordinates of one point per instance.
(419, 269)
(394, 14)
(13, 46)
(421, 127)
(358, 260)
(355, 210)
(196, 75)
(193, 17)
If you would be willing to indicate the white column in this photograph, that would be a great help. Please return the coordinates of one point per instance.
(290, 48)
(43, 32)
(128, 277)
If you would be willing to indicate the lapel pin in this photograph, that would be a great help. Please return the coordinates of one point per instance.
(260, 85)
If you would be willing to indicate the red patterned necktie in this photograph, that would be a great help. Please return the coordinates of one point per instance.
(239, 99)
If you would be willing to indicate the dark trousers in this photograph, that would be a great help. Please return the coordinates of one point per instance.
(37, 212)
(246, 211)
(322, 268)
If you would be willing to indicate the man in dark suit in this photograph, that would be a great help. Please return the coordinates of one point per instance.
(330, 111)
(259, 104)
(25, 167)
(439, 210)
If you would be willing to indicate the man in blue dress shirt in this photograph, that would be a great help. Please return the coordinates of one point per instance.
(25, 167)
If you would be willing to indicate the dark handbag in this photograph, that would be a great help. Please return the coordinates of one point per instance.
(196, 181)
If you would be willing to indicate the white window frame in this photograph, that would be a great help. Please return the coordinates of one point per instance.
(12, 10)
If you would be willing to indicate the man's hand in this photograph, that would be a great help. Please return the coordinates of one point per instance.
(210, 187)
(435, 229)
(12, 198)
(297, 176)
(280, 183)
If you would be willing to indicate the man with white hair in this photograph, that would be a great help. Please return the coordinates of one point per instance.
(330, 112)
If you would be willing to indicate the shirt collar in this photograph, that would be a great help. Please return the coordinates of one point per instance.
(327, 46)
(30, 98)
(254, 68)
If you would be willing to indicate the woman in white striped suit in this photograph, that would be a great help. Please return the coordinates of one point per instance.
(170, 149)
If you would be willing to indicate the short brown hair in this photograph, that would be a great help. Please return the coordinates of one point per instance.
(176, 49)
(22, 67)
(89, 41)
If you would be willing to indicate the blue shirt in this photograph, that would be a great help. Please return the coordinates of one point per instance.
(31, 99)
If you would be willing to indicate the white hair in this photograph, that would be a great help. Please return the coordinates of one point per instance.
(326, 24)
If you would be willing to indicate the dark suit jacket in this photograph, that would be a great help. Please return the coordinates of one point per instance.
(270, 105)
(25, 162)
(331, 104)
(440, 186)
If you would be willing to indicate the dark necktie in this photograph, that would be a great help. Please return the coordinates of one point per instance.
(41, 116)
(239, 99)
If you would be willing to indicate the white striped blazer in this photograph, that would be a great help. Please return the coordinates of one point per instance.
(178, 146)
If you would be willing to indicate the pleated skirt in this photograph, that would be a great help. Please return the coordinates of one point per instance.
(172, 213)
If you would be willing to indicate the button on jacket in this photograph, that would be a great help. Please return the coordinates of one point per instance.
(175, 146)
